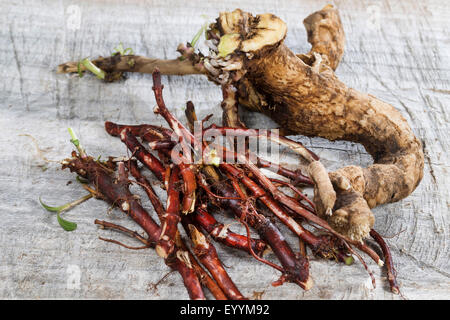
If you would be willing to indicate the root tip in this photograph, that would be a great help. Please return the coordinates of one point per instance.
(308, 284)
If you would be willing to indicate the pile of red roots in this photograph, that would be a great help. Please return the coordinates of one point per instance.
(198, 191)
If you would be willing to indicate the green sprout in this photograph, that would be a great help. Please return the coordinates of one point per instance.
(199, 34)
(92, 68)
(76, 142)
(120, 50)
(349, 260)
(65, 224)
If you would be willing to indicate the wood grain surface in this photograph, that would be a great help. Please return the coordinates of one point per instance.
(396, 50)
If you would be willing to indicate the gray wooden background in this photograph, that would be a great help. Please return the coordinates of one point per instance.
(396, 50)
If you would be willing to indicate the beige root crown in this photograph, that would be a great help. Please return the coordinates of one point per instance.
(250, 34)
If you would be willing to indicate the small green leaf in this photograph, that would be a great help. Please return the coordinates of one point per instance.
(128, 51)
(119, 49)
(65, 224)
(349, 260)
(199, 34)
(93, 68)
(228, 43)
(51, 209)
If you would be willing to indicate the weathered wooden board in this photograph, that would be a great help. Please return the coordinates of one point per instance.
(396, 50)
